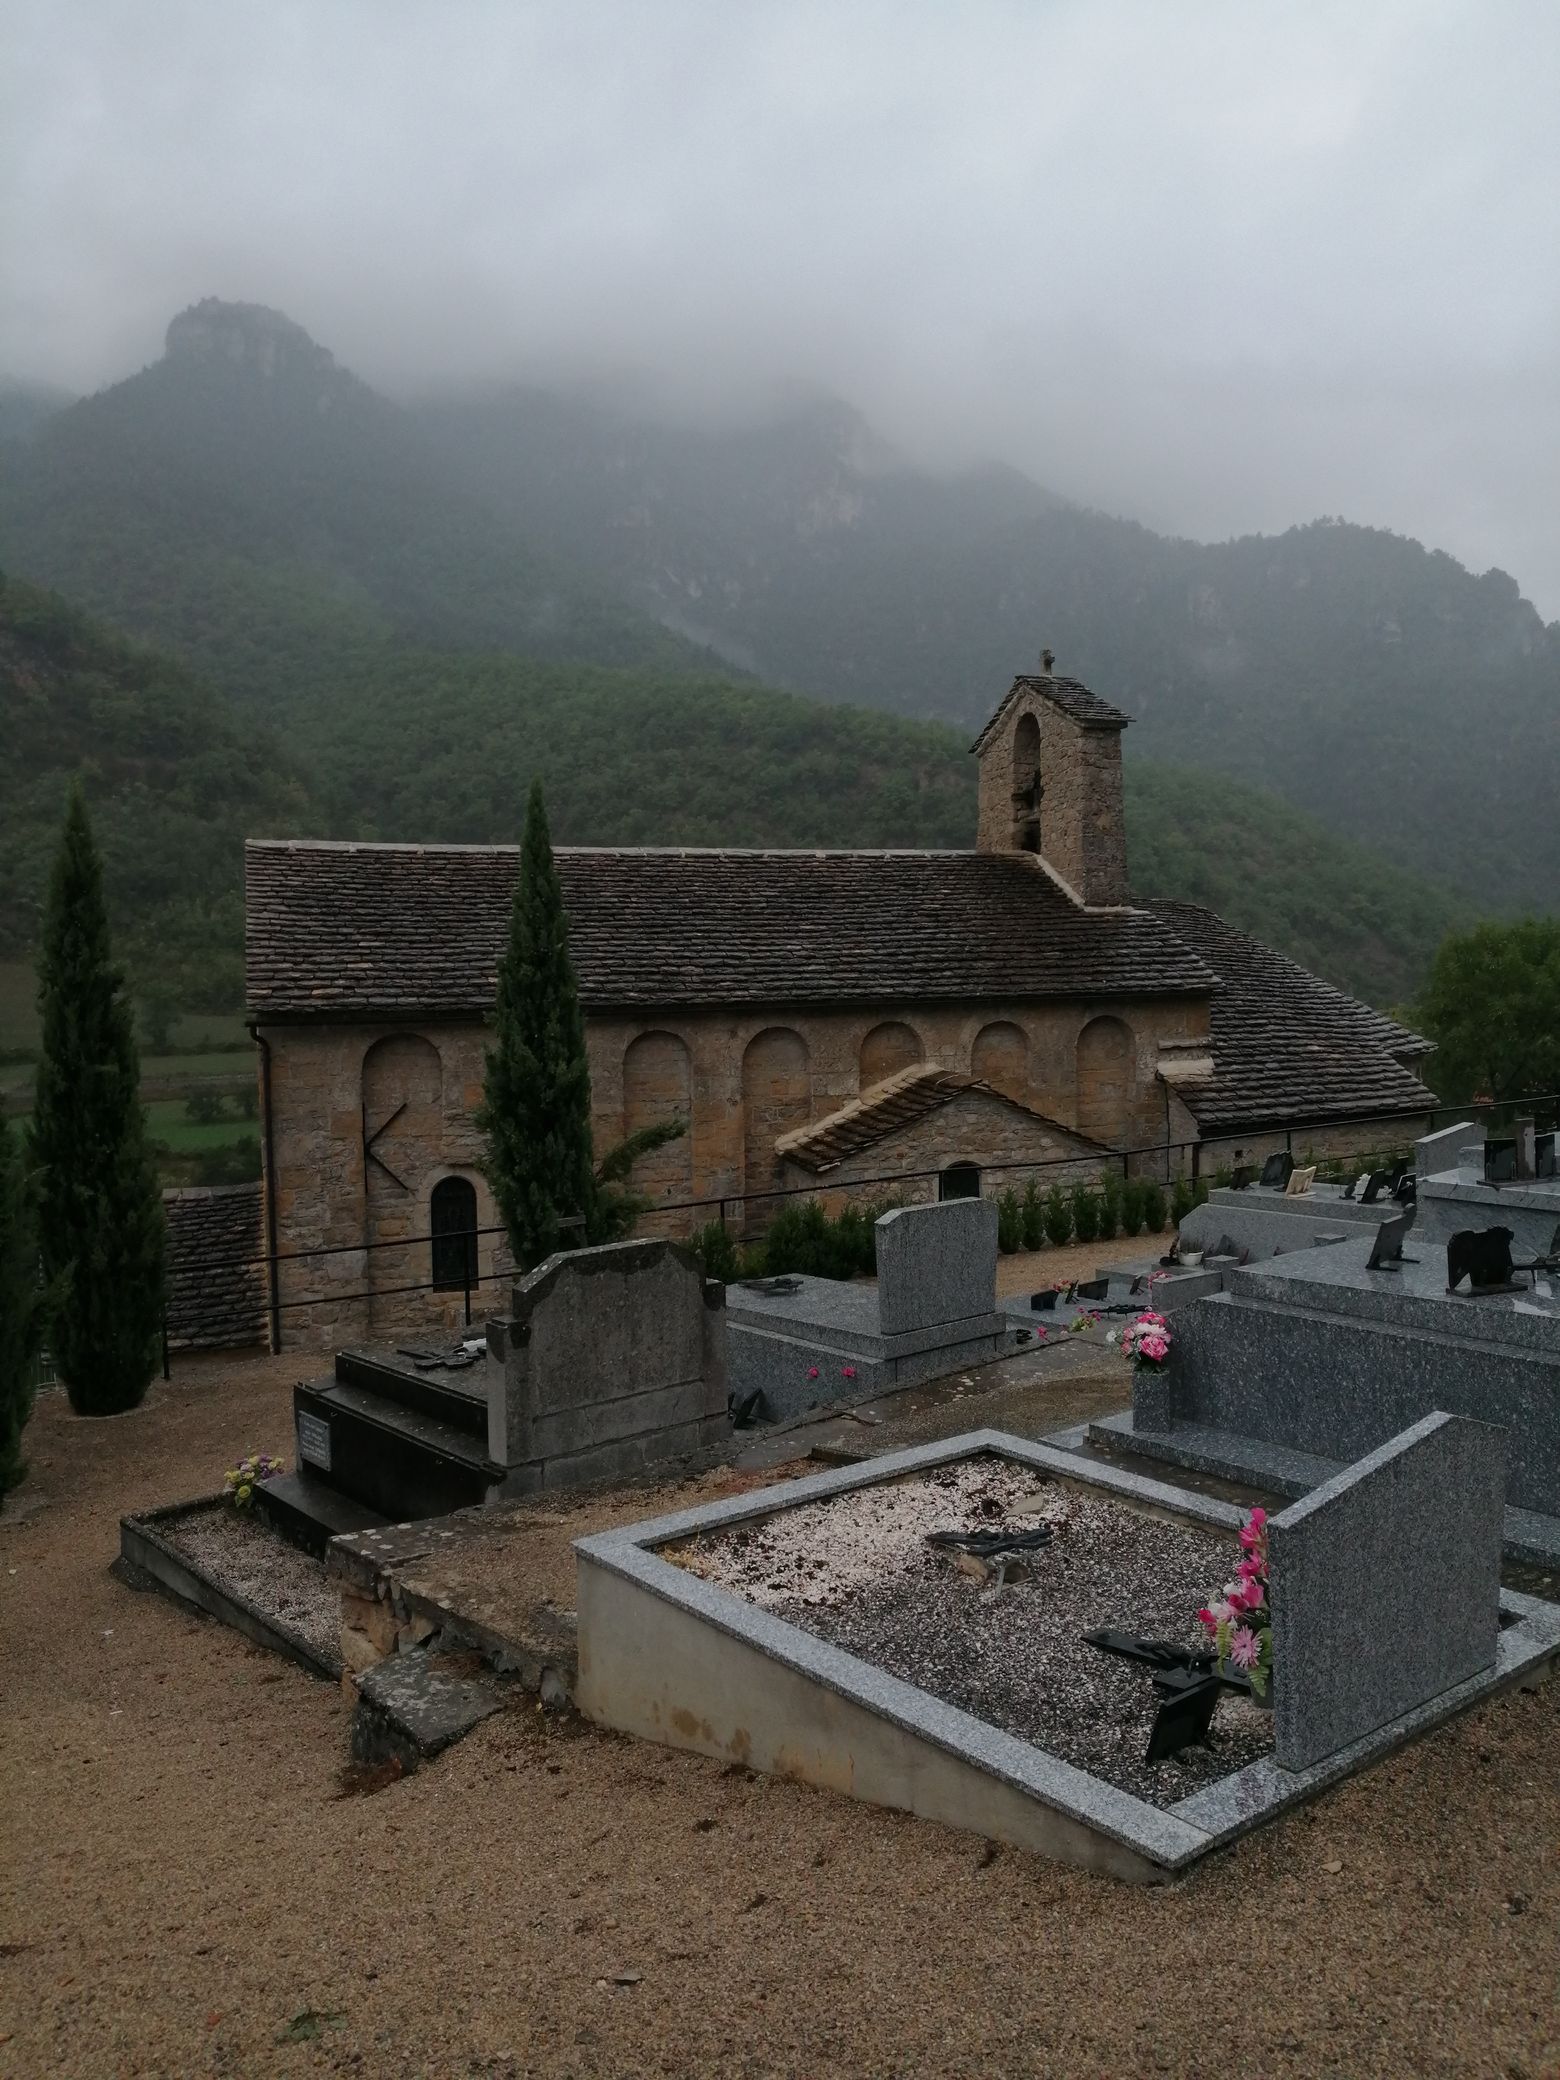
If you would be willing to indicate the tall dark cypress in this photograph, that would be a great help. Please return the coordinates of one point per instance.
(21, 1310)
(536, 1097)
(100, 1217)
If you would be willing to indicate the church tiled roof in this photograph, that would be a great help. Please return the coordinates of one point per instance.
(1287, 1045)
(1070, 695)
(899, 1101)
(359, 931)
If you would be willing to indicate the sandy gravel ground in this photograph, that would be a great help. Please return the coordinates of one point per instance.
(183, 1892)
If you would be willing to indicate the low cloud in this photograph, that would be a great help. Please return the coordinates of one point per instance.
(1220, 266)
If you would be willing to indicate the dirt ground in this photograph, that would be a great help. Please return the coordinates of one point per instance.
(184, 1891)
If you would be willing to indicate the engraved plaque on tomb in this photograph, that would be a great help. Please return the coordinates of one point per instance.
(314, 1442)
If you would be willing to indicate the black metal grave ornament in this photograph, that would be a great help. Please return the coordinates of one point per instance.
(1277, 1171)
(1187, 1681)
(1500, 1162)
(1483, 1257)
(1386, 1251)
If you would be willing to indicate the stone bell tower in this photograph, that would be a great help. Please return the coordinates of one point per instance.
(1050, 784)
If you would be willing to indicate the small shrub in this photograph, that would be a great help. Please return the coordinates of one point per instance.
(1132, 1206)
(715, 1250)
(799, 1240)
(1033, 1216)
(1010, 1222)
(1181, 1200)
(204, 1108)
(1154, 1210)
(1200, 1192)
(1109, 1216)
(1085, 1213)
(1224, 1176)
(1058, 1217)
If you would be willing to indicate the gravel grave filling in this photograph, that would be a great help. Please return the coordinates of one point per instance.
(245, 1555)
(856, 1570)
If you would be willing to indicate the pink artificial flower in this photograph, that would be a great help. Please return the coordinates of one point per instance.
(1245, 1647)
(1154, 1347)
(847, 1372)
(1255, 1596)
(812, 1372)
(1206, 1617)
(1257, 1519)
(1219, 1612)
(1246, 1569)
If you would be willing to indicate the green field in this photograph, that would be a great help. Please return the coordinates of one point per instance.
(196, 1035)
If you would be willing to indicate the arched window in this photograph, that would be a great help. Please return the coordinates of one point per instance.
(886, 1050)
(1026, 785)
(453, 1220)
(959, 1181)
(1107, 1081)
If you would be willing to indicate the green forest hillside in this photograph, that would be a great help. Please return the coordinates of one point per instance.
(175, 779)
(440, 746)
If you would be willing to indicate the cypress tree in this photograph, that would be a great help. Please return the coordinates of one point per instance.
(21, 1307)
(535, 1112)
(100, 1217)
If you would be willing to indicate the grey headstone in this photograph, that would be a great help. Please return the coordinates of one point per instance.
(1385, 1585)
(1434, 1153)
(936, 1264)
(603, 1348)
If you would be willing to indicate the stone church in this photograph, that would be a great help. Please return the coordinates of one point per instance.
(820, 1019)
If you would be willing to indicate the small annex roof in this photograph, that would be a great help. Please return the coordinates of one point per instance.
(899, 1101)
(346, 932)
(1070, 695)
(1288, 1046)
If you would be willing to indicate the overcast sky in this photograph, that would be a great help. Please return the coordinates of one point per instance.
(1219, 264)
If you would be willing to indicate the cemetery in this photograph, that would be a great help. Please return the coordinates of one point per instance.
(993, 1631)
(1306, 1362)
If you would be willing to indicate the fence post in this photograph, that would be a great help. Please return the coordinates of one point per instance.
(1196, 1164)
(465, 1257)
(167, 1370)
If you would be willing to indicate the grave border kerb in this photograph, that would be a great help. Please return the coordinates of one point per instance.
(1172, 1838)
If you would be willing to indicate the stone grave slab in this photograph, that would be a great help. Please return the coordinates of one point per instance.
(609, 1360)
(1385, 1585)
(936, 1264)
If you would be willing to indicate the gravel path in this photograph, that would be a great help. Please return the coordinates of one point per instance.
(183, 1892)
(857, 1570)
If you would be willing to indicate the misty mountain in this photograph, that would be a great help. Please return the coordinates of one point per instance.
(255, 506)
(1376, 684)
(25, 407)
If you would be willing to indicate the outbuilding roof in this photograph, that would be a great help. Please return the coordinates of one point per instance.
(900, 1101)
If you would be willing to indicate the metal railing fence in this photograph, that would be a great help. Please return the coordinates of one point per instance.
(1162, 1155)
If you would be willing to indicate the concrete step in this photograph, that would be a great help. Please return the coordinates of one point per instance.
(309, 1513)
(396, 1460)
(456, 1398)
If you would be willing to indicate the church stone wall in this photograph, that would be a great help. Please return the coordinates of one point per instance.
(702, 1065)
